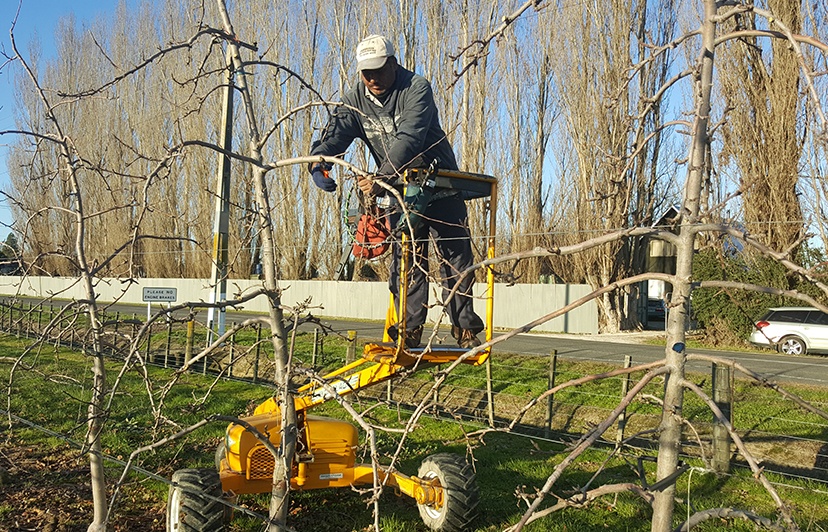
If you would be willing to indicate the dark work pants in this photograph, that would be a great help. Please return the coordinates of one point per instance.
(444, 220)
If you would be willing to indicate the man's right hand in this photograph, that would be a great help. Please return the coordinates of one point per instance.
(368, 185)
(321, 179)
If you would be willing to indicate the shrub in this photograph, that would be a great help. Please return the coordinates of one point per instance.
(727, 315)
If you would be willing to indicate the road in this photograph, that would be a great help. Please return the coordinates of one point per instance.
(807, 369)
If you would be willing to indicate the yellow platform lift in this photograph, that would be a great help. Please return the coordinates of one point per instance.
(444, 487)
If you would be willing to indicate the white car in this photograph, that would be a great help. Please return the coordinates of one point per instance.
(792, 330)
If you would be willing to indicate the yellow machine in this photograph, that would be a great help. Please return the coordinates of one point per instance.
(444, 487)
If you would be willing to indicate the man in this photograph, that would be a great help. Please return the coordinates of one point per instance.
(392, 110)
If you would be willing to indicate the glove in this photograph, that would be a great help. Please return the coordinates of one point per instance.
(319, 173)
(369, 185)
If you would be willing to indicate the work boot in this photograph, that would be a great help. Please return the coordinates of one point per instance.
(413, 337)
(456, 332)
(466, 338)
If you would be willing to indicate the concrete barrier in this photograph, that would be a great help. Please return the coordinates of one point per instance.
(514, 306)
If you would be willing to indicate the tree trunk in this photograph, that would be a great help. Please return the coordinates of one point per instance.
(669, 444)
(282, 464)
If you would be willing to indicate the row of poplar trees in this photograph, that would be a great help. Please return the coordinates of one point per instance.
(579, 144)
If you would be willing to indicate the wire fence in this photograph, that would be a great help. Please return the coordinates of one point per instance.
(782, 437)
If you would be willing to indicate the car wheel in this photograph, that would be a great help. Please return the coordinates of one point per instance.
(187, 508)
(792, 345)
(460, 494)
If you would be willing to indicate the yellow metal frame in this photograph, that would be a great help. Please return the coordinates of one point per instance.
(379, 362)
(485, 186)
(421, 490)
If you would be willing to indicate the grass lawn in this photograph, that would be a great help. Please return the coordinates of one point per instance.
(42, 475)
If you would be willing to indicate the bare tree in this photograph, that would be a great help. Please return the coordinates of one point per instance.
(761, 134)
(670, 430)
(77, 163)
(607, 99)
(609, 131)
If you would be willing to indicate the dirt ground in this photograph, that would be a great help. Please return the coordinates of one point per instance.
(48, 491)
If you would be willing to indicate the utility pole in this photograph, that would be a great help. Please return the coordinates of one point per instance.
(221, 218)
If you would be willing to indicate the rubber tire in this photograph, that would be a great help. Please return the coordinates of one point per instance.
(187, 511)
(792, 345)
(221, 451)
(461, 497)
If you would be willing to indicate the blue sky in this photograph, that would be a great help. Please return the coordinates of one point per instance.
(36, 17)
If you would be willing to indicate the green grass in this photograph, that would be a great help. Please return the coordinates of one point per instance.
(6, 511)
(55, 395)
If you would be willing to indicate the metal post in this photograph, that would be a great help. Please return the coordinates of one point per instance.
(74, 331)
(258, 352)
(722, 396)
(350, 354)
(188, 347)
(149, 341)
(221, 218)
(436, 389)
(622, 419)
(315, 347)
(322, 350)
(553, 372)
(232, 353)
(169, 340)
(489, 392)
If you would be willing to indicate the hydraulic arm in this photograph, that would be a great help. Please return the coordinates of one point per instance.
(379, 362)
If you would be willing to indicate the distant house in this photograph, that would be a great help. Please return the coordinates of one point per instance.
(661, 256)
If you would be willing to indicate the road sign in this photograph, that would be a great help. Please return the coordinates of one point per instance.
(159, 294)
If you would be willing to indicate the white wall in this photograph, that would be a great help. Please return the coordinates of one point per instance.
(514, 305)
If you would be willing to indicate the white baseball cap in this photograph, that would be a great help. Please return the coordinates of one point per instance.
(372, 52)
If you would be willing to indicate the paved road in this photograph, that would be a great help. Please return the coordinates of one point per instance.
(808, 369)
(802, 370)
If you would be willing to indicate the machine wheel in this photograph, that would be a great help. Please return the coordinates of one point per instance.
(188, 511)
(792, 345)
(460, 494)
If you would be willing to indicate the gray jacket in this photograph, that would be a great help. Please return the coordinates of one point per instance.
(402, 131)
